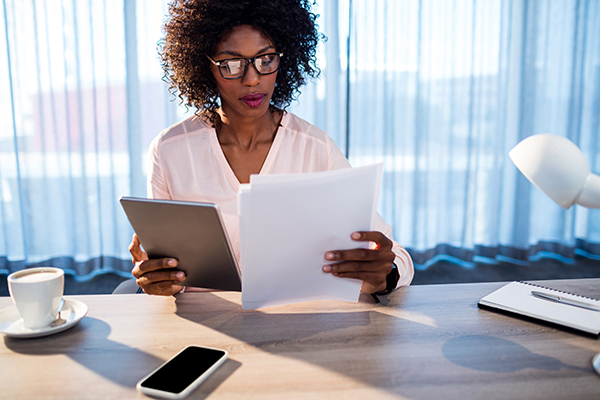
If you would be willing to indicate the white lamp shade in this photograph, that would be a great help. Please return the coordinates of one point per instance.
(557, 167)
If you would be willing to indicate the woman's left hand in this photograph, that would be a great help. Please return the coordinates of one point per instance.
(369, 265)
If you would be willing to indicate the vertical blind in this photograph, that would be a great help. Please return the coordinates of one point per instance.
(438, 90)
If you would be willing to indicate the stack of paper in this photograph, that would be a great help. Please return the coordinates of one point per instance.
(287, 224)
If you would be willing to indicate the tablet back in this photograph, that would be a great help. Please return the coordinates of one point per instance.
(193, 233)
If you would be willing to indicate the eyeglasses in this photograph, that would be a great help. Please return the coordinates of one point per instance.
(235, 68)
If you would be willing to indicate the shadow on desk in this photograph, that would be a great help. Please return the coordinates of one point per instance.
(265, 329)
(101, 354)
(500, 355)
(399, 338)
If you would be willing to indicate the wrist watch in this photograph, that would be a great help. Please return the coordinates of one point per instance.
(391, 281)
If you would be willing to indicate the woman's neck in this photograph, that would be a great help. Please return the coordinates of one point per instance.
(246, 143)
(245, 133)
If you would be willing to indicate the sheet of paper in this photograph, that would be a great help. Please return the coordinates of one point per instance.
(289, 221)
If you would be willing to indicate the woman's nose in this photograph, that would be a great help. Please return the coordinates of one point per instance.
(251, 77)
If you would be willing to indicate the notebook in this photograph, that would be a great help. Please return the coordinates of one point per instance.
(516, 297)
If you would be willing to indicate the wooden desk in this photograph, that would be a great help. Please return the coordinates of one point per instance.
(427, 342)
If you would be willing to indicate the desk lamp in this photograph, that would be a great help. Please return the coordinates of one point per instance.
(557, 167)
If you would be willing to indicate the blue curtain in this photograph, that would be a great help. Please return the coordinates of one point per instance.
(439, 90)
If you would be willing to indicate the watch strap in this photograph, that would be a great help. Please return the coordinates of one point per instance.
(391, 281)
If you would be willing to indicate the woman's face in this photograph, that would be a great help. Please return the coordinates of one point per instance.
(250, 95)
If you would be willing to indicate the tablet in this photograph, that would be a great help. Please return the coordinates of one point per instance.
(193, 233)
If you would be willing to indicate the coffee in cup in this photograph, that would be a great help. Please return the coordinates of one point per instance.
(37, 293)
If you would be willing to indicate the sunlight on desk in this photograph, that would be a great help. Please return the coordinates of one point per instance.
(408, 316)
(423, 342)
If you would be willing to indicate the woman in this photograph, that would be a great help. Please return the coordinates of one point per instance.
(239, 64)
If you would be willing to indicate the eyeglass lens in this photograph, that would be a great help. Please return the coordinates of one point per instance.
(265, 64)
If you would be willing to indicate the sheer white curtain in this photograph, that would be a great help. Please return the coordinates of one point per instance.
(81, 96)
(438, 90)
(441, 91)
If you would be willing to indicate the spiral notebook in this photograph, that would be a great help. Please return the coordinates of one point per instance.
(516, 297)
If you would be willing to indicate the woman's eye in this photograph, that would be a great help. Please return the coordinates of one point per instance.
(233, 67)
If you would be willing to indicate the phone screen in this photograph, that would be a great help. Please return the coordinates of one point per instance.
(183, 369)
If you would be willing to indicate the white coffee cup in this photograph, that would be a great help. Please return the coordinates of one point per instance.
(36, 293)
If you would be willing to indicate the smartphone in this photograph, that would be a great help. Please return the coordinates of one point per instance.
(179, 376)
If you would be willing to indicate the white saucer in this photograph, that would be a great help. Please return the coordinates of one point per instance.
(11, 323)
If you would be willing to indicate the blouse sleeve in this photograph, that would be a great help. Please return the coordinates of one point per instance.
(157, 187)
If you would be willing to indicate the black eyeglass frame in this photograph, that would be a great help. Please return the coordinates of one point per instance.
(248, 61)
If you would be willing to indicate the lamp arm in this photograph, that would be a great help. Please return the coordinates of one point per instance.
(590, 194)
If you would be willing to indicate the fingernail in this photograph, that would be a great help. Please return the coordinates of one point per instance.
(355, 235)
(327, 268)
(180, 275)
(172, 262)
(329, 256)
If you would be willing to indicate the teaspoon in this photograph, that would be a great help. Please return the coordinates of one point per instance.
(59, 321)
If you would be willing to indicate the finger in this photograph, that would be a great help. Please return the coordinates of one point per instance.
(372, 282)
(379, 267)
(161, 276)
(382, 250)
(380, 240)
(354, 255)
(383, 254)
(145, 266)
(135, 248)
(161, 282)
(162, 289)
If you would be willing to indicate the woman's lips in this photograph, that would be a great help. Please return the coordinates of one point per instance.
(254, 99)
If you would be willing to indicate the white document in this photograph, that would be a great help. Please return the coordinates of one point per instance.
(287, 224)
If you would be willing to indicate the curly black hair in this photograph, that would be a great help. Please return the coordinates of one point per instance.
(194, 28)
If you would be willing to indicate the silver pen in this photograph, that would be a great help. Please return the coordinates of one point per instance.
(560, 299)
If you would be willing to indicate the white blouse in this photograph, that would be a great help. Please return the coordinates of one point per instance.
(188, 164)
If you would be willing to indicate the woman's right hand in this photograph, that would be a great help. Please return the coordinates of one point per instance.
(157, 276)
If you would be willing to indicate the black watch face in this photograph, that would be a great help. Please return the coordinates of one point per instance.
(392, 279)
